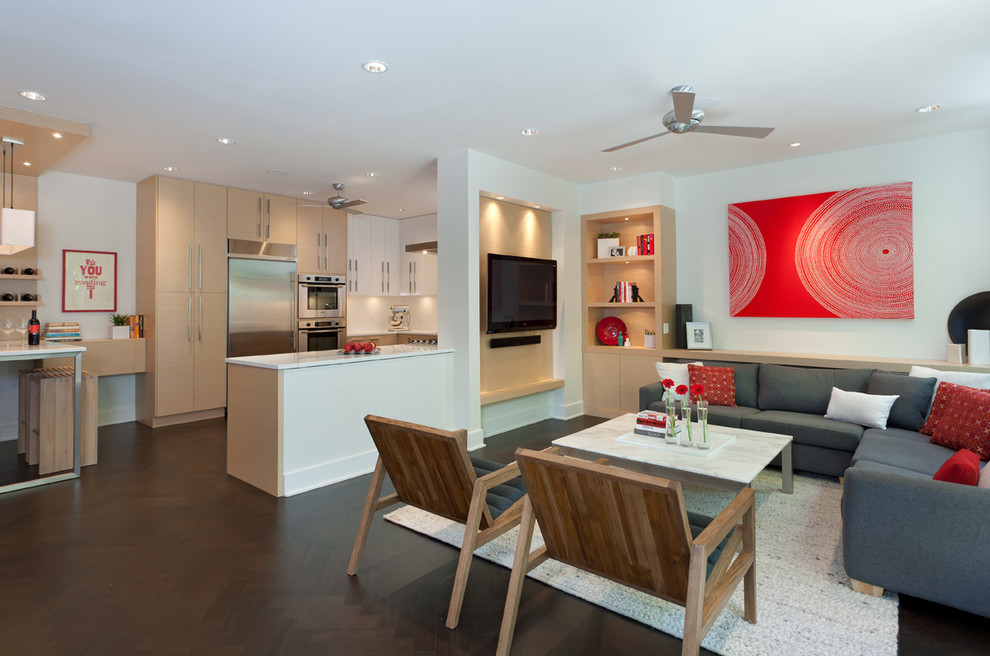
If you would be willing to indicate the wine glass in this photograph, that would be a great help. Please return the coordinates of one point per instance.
(22, 329)
(8, 328)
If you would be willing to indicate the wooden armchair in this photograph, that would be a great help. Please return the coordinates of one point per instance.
(633, 528)
(431, 470)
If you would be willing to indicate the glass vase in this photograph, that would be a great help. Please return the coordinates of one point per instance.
(686, 433)
(670, 437)
(703, 425)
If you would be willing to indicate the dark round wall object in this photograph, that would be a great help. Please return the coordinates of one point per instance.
(971, 313)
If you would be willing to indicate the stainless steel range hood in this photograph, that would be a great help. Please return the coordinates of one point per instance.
(422, 247)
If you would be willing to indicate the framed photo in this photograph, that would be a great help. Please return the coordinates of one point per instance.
(89, 281)
(617, 251)
(699, 335)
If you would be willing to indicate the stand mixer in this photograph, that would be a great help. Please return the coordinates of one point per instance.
(399, 319)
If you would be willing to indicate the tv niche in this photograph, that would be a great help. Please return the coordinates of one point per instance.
(522, 295)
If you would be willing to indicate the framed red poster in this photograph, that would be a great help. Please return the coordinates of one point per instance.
(844, 254)
(89, 281)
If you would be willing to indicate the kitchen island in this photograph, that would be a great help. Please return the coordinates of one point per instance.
(295, 421)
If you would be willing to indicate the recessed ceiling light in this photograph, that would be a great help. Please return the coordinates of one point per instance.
(529, 132)
(796, 144)
(375, 66)
(57, 135)
(615, 168)
(276, 172)
(402, 209)
(34, 95)
(226, 141)
(170, 169)
(307, 193)
(372, 174)
(929, 108)
(627, 218)
(500, 198)
(26, 163)
(536, 207)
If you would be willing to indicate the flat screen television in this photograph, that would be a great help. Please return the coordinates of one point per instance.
(522, 293)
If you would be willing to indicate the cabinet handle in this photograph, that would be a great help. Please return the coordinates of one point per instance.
(268, 222)
(259, 217)
(388, 280)
(317, 251)
(326, 252)
(189, 283)
(200, 318)
(415, 276)
(383, 276)
(189, 321)
(410, 278)
(200, 266)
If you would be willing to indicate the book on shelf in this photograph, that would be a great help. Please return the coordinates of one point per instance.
(644, 244)
(136, 322)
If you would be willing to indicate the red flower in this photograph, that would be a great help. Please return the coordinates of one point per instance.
(681, 390)
(697, 389)
(667, 383)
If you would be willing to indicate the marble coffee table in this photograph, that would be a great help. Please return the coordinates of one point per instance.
(732, 467)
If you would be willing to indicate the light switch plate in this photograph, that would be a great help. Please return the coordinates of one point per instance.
(666, 328)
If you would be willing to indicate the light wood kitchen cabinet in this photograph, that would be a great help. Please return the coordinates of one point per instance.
(373, 267)
(181, 291)
(255, 216)
(321, 245)
(419, 270)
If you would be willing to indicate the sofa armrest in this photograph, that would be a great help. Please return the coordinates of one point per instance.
(921, 537)
(651, 393)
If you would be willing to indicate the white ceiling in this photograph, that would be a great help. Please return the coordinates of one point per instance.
(159, 82)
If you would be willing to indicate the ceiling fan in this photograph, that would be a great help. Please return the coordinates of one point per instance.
(685, 118)
(338, 202)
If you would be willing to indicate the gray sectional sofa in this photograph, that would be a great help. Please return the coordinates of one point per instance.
(901, 530)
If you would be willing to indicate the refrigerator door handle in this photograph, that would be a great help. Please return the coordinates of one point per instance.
(201, 266)
(292, 311)
(189, 283)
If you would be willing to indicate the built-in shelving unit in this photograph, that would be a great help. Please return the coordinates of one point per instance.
(613, 374)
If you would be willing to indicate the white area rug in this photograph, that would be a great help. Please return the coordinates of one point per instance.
(804, 603)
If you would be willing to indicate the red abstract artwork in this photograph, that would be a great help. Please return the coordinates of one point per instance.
(846, 254)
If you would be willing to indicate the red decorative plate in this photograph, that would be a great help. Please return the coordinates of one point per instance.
(608, 330)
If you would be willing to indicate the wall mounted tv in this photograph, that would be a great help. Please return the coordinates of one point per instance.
(522, 293)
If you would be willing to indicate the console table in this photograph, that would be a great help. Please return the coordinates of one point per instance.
(44, 352)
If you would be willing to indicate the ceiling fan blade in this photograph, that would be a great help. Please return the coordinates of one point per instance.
(300, 205)
(755, 133)
(348, 203)
(683, 104)
(633, 143)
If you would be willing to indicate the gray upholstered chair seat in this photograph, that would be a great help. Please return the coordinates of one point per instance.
(501, 497)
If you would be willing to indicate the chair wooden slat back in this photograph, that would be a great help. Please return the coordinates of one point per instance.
(429, 467)
(626, 526)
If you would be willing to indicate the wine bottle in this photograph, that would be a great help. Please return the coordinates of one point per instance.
(9, 271)
(29, 297)
(34, 329)
(28, 272)
(8, 297)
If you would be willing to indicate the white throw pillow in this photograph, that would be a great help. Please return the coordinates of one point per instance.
(985, 477)
(965, 378)
(676, 371)
(869, 410)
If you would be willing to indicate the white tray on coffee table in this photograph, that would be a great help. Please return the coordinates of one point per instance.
(716, 441)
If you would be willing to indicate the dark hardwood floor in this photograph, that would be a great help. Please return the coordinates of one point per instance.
(157, 551)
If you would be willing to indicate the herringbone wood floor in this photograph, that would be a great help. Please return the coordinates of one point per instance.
(157, 551)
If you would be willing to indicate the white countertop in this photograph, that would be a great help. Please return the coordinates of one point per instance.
(323, 358)
(42, 350)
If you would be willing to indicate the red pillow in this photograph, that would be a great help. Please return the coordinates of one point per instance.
(719, 382)
(944, 395)
(966, 423)
(963, 467)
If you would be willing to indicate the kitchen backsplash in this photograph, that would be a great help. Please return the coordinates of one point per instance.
(369, 314)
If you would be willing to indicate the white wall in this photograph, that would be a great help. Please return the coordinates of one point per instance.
(628, 193)
(461, 176)
(951, 241)
(89, 214)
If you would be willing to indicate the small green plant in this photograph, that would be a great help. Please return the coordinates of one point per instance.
(650, 332)
(608, 235)
(119, 319)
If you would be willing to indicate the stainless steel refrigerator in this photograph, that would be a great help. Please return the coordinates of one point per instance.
(261, 298)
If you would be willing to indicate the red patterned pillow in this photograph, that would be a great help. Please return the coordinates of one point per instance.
(963, 467)
(719, 382)
(943, 396)
(966, 423)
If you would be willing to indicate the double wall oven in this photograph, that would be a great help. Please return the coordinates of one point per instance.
(321, 303)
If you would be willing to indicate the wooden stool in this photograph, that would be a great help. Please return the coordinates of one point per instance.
(45, 418)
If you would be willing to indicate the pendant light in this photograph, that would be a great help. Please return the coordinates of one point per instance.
(16, 226)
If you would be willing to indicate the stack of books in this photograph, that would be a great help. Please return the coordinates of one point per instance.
(644, 244)
(652, 424)
(62, 331)
(136, 322)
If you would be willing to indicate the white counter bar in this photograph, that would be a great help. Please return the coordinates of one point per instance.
(44, 351)
(295, 421)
